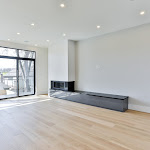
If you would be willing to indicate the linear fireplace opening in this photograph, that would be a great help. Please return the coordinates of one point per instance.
(63, 85)
(59, 85)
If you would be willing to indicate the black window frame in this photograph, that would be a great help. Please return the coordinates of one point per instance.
(17, 68)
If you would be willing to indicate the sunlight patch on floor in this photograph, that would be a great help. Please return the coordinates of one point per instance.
(18, 102)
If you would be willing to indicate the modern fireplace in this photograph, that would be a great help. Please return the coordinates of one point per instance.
(63, 85)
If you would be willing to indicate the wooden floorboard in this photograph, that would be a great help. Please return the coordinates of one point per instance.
(42, 123)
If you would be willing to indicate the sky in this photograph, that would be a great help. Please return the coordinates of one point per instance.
(7, 63)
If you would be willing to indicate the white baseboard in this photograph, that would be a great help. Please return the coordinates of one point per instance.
(42, 93)
(139, 108)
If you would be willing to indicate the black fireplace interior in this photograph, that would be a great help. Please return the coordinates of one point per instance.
(59, 85)
(63, 85)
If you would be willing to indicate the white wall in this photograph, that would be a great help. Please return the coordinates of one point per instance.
(117, 63)
(58, 61)
(41, 64)
(71, 60)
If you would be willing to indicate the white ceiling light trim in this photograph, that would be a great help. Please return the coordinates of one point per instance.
(32, 24)
(142, 13)
(62, 5)
(98, 26)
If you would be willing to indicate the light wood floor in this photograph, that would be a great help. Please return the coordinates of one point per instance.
(42, 123)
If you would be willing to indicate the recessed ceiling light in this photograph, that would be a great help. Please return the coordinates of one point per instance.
(64, 34)
(142, 12)
(98, 27)
(18, 33)
(47, 40)
(62, 5)
(32, 24)
(35, 45)
(8, 39)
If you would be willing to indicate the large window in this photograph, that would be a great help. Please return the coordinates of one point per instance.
(17, 72)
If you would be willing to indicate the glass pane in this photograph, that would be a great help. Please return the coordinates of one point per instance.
(26, 54)
(8, 78)
(26, 77)
(8, 52)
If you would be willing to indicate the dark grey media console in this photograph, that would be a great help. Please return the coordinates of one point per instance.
(113, 102)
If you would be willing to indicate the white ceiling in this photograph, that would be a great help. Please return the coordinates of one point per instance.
(78, 19)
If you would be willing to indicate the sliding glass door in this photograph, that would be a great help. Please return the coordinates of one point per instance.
(8, 78)
(26, 77)
(17, 73)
